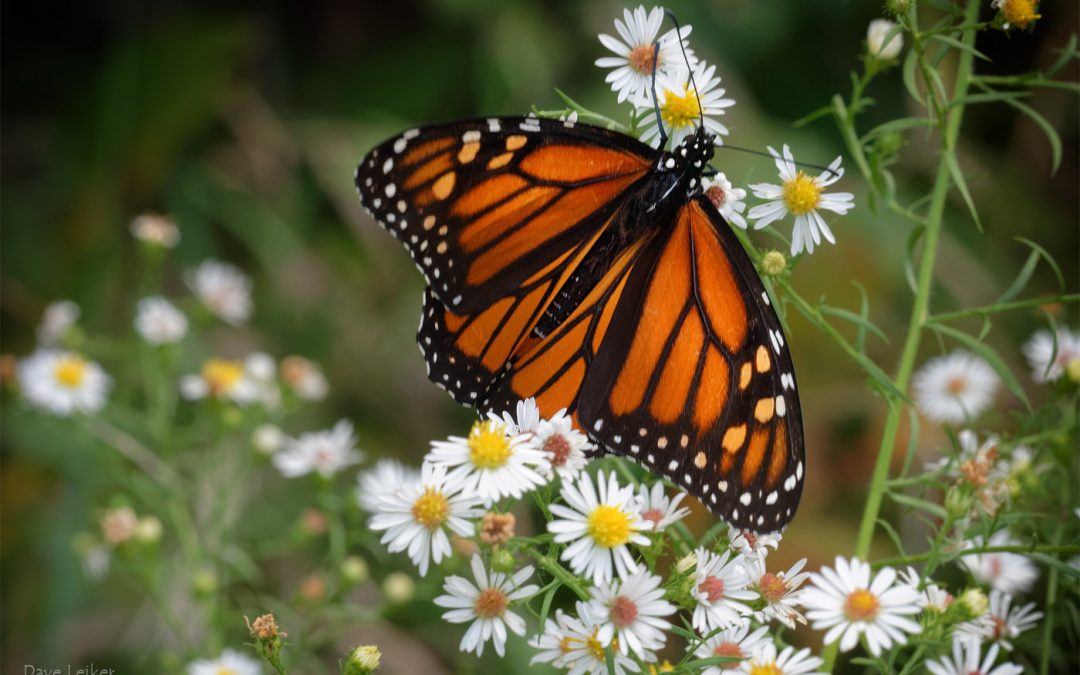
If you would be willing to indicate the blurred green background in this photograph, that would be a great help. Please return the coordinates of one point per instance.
(243, 122)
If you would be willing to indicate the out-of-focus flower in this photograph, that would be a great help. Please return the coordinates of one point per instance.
(268, 439)
(933, 597)
(314, 521)
(598, 524)
(382, 479)
(305, 378)
(262, 370)
(491, 463)
(720, 590)
(223, 289)
(631, 612)
(417, 516)
(563, 445)
(1001, 623)
(354, 569)
(1046, 364)
(682, 109)
(638, 50)
(221, 379)
(159, 322)
(313, 588)
(204, 582)
(156, 230)
(148, 529)
(779, 590)
(876, 33)
(571, 642)
(734, 642)
(526, 422)
(398, 588)
(1006, 572)
(954, 388)
(57, 319)
(63, 383)
(1018, 13)
(751, 545)
(658, 508)
(231, 662)
(965, 661)
(802, 196)
(95, 555)
(849, 602)
(727, 199)
(497, 528)
(486, 604)
(788, 662)
(325, 452)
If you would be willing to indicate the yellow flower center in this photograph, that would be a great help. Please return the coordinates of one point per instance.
(489, 448)
(222, 670)
(801, 194)
(1020, 13)
(70, 370)
(861, 605)
(772, 587)
(641, 59)
(766, 669)
(431, 509)
(664, 667)
(609, 526)
(1073, 370)
(680, 111)
(221, 376)
(490, 603)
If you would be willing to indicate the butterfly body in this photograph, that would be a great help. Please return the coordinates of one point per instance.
(578, 266)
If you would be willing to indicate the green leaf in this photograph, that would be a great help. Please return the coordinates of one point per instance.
(1046, 256)
(911, 65)
(545, 606)
(862, 322)
(961, 185)
(956, 44)
(909, 255)
(913, 440)
(989, 355)
(894, 535)
(989, 97)
(1068, 53)
(1047, 129)
(1022, 277)
(894, 126)
(864, 312)
(918, 504)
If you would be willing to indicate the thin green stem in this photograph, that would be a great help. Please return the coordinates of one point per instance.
(1052, 549)
(999, 307)
(558, 571)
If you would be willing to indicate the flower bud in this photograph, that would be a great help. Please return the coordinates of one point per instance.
(205, 582)
(1072, 369)
(354, 570)
(503, 561)
(148, 530)
(973, 601)
(897, 7)
(118, 525)
(362, 661)
(398, 588)
(686, 563)
(773, 263)
(876, 44)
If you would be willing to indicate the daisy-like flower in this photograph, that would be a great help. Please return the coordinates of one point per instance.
(1019, 13)
(933, 597)
(418, 514)
(526, 421)
(1002, 622)
(57, 319)
(1006, 572)
(262, 370)
(223, 289)
(682, 108)
(752, 546)
(491, 463)
(720, 589)
(636, 52)
(632, 610)
(736, 642)
(765, 661)
(849, 603)
(658, 508)
(954, 388)
(382, 480)
(325, 452)
(562, 444)
(155, 229)
(221, 379)
(571, 642)
(231, 662)
(486, 604)
(727, 199)
(63, 383)
(965, 661)
(600, 522)
(802, 196)
(779, 590)
(159, 322)
(1046, 365)
(305, 378)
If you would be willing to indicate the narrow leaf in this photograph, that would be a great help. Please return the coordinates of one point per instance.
(989, 355)
(918, 504)
(961, 185)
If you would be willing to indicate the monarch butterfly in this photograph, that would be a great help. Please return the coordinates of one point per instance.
(578, 266)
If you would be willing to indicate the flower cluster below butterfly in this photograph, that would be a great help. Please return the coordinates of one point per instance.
(578, 266)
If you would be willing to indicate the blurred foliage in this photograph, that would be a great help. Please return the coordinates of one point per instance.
(244, 125)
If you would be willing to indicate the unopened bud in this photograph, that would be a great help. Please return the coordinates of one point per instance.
(354, 569)
(362, 661)
(974, 602)
(398, 588)
(876, 44)
(773, 263)
(148, 529)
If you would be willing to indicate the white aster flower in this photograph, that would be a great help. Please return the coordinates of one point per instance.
(636, 52)
(223, 289)
(599, 524)
(491, 463)
(63, 383)
(418, 514)
(932, 597)
(751, 545)
(1002, 622)
(323, 452)
(632, 610)
(720, 589)
(876, 45)
(486, 604)
(849, 603)
(954, 388)
(563, 446)
(382, 479)
(159, 322)
(221, 379)
(305, 378)
(1046, 364)
(571, 642)
(682, 108)
(965, 661)
(658, 508)
(780, 591)
(736, 642)
(1006, 572)
(527, 420)
(787, 662)
(727, 199)
(57, 319)
(231, 662)
(802, 196)
(155, 229)
(262, 370)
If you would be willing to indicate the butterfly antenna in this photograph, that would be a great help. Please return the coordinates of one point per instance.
(759, 153)
(686, 60)
(656, 101)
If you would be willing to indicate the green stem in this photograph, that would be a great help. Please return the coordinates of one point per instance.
(1055, 549)
(558, 571)
(998, 308)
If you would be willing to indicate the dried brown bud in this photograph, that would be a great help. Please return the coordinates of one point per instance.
(497, 528)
